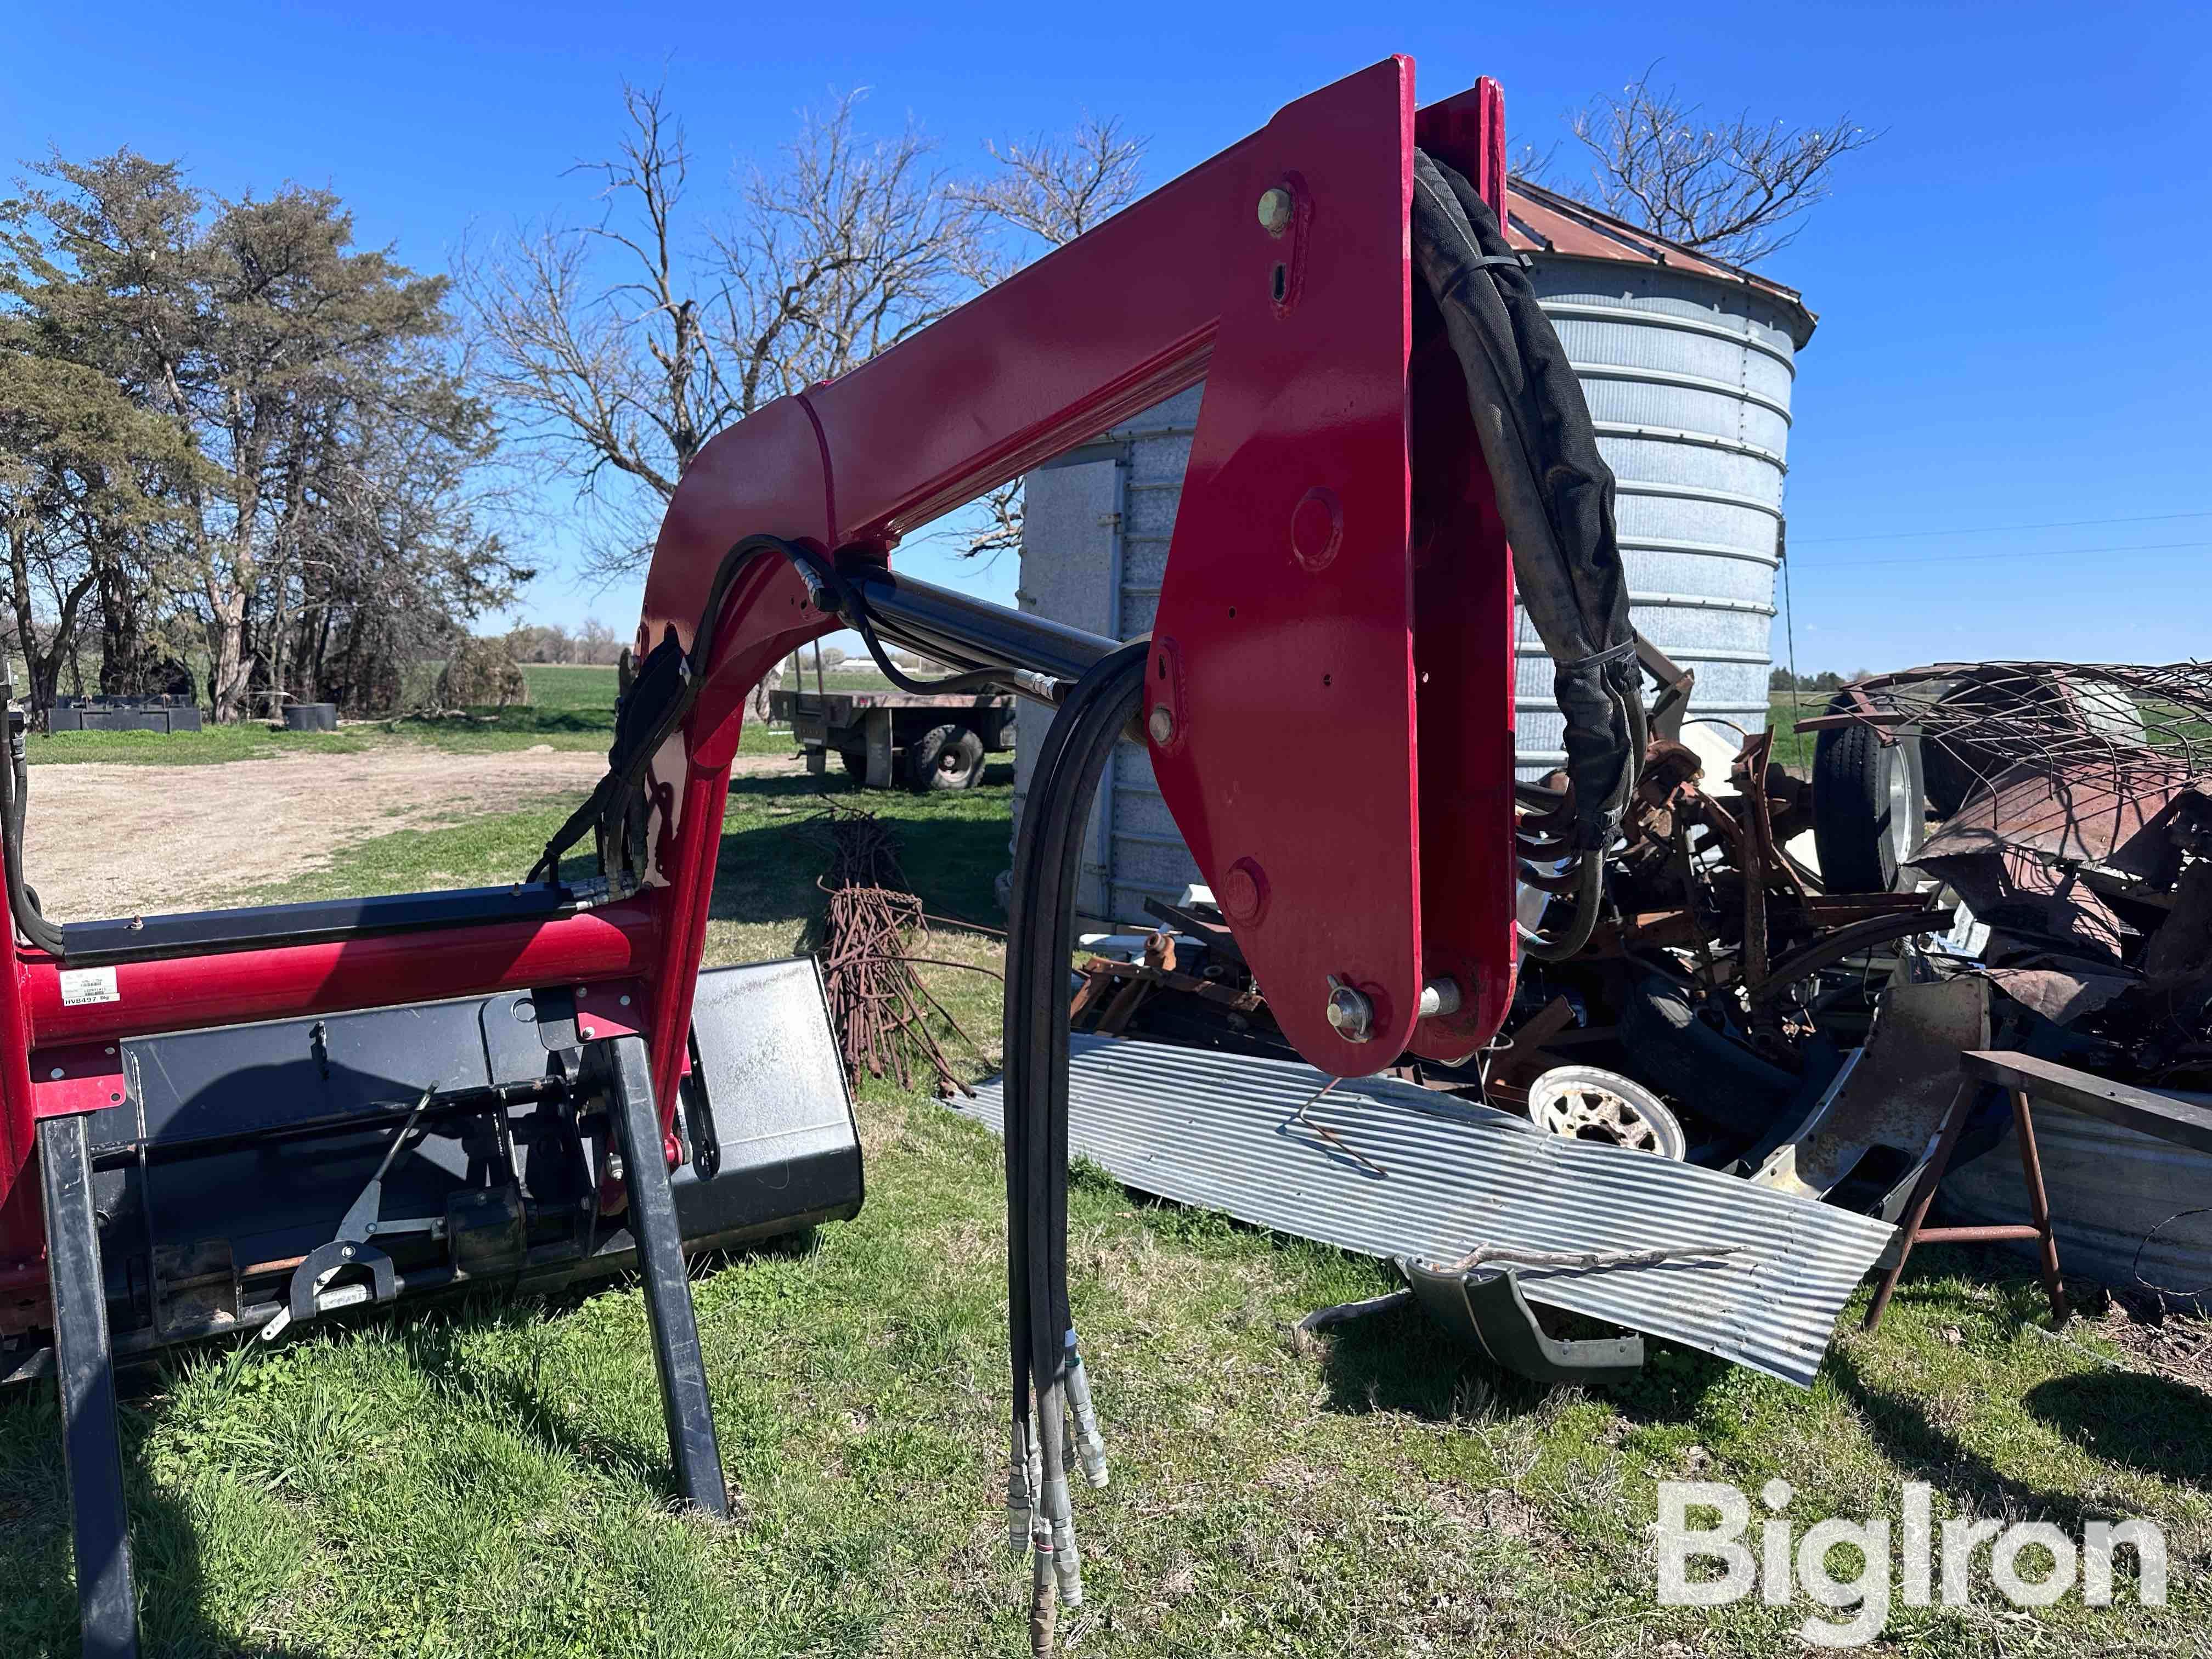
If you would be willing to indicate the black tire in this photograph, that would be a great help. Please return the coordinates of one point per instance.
(944, 757)
(1870, 808)
(1704, 1071)
(855, 763)
(1948, 778)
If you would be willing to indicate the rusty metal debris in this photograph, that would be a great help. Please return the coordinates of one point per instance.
(1112, 991)
(882, 1010)
(2076, 809)
(1713, 947)
(1977, 721)
(2052, 890)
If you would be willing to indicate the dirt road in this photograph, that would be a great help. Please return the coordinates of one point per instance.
(118, 841)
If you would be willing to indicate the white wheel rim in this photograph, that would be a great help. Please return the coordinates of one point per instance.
(1583, 1103)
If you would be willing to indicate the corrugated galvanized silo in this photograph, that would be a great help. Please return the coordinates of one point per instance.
(1687, 365)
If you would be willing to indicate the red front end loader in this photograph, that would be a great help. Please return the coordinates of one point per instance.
(242, 1120)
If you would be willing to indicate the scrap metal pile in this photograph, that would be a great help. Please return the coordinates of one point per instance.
(882, 1010)
(2043, 830)
(2073, 810)
(1719, 983)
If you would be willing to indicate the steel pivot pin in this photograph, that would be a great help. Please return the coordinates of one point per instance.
(1349, 1011)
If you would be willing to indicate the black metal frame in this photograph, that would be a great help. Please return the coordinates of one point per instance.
(625, 1072)
(318, 921)
(91, 1453)
(966, 633)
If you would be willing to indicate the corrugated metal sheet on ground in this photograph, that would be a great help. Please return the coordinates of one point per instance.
(1211, 1130)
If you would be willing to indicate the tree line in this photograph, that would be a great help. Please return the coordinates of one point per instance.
(229, 435)
(1781, 679)
(549, 643)
(244, 457)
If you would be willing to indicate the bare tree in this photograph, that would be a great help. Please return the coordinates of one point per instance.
(600, 370)
(1055, 189)
(852, 245)
(598, 644)
(1736, 190)
(1525, 162)
(619, 349)
(1052, 190)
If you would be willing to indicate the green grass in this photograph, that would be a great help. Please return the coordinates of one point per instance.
(488, 1477)
(211, 745)
(1792, 748)
(571, 707)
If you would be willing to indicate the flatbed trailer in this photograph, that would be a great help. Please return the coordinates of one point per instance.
(883, 738)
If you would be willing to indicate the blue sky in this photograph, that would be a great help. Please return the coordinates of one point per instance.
(2011, 283)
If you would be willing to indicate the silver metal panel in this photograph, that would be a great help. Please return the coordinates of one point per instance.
(1688, 379)
(1076, 510)
(1211, 1130)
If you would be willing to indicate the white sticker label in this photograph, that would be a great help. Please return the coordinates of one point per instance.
(81, 984)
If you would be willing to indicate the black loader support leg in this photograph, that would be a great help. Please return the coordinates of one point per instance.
(86, 1369)
(676, 1353)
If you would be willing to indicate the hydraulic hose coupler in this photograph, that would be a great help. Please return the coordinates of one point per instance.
(1059, 1515)
(1090, 1444)
(1022, 1470)
(818, 593)
(1067, 1563)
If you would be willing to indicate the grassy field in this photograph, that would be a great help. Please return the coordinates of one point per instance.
(486, 1477)
(570, 708)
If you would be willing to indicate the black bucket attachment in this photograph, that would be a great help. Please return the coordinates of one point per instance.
(269, 1173)
(258, 1177)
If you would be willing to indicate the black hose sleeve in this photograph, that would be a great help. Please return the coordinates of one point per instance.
(23, 904)
(1554, 491)
(1040, 941)
(637, 742)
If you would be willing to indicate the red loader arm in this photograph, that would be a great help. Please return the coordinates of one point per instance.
(1308, 609)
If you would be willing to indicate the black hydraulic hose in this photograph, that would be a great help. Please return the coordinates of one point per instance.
(1589, 890)
(1044, 1361)
(854, 610)
(1056, 1371)
(14, 801)
(1040, 942)
(1589, 871)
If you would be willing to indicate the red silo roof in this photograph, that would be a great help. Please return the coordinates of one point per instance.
(1540, 221)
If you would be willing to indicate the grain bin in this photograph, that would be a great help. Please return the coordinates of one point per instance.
(1687, 365)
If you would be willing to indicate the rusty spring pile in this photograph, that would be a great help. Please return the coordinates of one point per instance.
(878, 1002)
